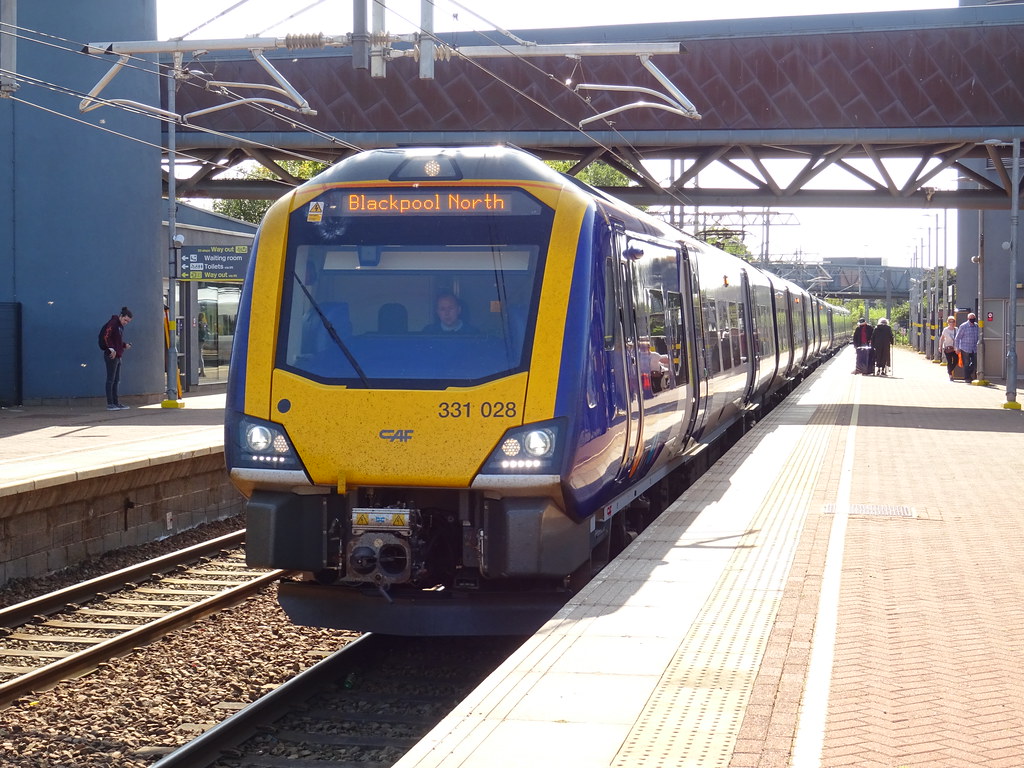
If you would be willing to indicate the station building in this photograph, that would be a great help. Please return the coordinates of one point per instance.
(84, 225)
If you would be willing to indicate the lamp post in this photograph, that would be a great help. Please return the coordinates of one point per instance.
(914, 313)
(1011, 319)
(980, 261)
(171, 398)
(926, 260)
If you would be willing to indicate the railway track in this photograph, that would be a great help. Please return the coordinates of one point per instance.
(365, 705)
(65, 633)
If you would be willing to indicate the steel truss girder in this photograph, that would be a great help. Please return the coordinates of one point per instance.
(867, 170)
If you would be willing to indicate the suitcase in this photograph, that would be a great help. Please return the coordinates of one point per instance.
(865, 360)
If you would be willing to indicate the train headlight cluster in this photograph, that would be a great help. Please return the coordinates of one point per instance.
(264, 444)
(531, 448)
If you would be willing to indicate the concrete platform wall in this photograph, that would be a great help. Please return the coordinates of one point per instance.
(49, 528)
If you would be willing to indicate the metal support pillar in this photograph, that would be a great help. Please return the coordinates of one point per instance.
(174, 250)
(1011, 319)
(980, 261)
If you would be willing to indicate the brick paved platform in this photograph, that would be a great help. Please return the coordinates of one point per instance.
(844, 588)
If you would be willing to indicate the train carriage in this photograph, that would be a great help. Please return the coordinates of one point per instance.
(461, 382)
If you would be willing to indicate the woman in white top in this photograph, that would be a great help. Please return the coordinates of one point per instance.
(946, 345)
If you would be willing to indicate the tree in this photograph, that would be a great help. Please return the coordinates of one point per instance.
(596, 174)
(253, 210)
(729, 241)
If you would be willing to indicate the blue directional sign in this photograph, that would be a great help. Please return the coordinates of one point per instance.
(214, 263)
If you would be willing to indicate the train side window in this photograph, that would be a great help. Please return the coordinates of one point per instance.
(737, 333)
(659, 341)
(611, 308)
(724, 335)
(712, 342)
(674, 324)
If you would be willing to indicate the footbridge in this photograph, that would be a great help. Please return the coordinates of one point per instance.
(853, 93)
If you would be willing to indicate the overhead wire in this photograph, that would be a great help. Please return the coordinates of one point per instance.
(68, 91)
(131, 63)
(209, 21)
(681, 199)
(296, 123)
(626, 162)
(289, 18)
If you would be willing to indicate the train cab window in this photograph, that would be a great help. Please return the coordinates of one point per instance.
(362, 298)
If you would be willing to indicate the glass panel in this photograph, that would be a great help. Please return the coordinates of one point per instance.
(411, 302)
(218, 311)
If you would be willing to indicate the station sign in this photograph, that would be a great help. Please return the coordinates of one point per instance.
(214, 263)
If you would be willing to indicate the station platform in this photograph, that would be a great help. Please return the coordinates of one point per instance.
(77, 481)
(843, 588)
(54, 444)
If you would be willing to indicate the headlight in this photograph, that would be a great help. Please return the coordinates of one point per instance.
(531, 448)
(259, 443)
(258, 438)
(539, 443)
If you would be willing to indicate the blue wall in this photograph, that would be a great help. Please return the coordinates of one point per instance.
(81, 209)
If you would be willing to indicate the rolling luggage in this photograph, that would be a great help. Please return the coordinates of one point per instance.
(865, 360)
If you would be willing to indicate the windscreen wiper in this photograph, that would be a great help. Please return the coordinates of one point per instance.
(333, 333)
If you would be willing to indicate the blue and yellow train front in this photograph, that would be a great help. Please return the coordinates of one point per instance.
(392, 413)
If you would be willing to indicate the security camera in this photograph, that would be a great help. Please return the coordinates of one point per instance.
(179, 240)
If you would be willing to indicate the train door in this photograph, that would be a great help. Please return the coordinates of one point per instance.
(694, 334)
(621, 276)
(749, 336)
(784, 311)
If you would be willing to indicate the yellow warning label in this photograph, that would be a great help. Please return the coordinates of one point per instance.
(398, 520)
(362, 519)
(315, 212)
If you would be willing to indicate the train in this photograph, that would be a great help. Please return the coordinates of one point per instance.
(462, 382)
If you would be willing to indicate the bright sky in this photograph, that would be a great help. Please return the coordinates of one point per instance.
(891, 234)
(272, 17)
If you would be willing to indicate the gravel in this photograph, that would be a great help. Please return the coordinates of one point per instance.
(132, 710)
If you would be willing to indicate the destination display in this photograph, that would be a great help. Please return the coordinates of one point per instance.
(418, 202)
(214, 263)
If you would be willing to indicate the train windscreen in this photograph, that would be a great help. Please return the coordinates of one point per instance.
(401, 299)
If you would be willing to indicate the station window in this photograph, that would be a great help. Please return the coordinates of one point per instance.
(215, 318)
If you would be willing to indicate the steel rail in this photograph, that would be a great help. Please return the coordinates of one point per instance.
(210, 745)
(21, 613)
(87, 659)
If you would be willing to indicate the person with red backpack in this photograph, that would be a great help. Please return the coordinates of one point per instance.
(111, 341)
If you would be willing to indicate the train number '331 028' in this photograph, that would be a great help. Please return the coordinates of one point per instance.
(488, 410)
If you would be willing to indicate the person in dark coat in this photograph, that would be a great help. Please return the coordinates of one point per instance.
(111, 341)
(862, 339)
(881, 340)
(862, 334)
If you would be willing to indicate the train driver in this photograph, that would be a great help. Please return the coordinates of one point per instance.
(449, 316)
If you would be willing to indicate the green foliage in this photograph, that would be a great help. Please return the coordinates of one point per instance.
(899, 317)
(253, 210)
(596, 174)
(728, 241)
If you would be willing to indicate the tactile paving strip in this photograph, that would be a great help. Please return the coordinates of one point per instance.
(694, 715)
(875, 510)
